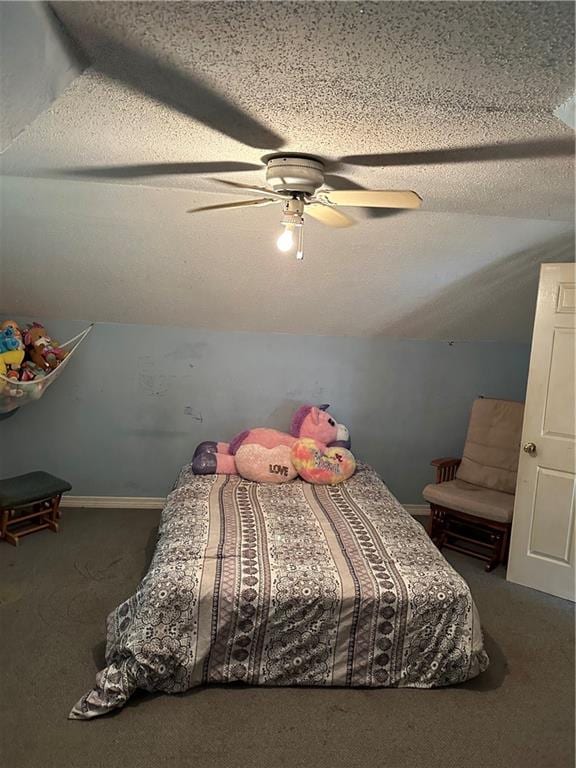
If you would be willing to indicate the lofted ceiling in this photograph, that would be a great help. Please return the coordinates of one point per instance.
(331, 80)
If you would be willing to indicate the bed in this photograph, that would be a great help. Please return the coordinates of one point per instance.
(290, 584)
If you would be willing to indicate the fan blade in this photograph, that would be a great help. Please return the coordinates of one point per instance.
(238, 204)
(341, 182)
(375, 198)
(515, 150)
(157, 169)
(328, 215)
(258, 190)
(179, 90)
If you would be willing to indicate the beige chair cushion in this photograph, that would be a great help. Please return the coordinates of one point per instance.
(490, 457)
(471, 499)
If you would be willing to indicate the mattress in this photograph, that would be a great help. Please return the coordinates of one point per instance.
(290, 584)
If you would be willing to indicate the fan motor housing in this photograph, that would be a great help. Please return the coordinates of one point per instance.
(294, 174)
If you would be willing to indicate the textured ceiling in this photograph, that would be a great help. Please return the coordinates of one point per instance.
(38, 70)
(333, 79)
(131, 255)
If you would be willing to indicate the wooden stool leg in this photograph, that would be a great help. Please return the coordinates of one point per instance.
(38, 516)
(57, 510)
(30, 503)
(4, 523)
(11, 539)
(52, 515)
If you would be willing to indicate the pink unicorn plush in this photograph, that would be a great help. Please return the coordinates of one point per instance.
(309, 421)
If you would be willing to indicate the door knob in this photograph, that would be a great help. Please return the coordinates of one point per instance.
(529, 448)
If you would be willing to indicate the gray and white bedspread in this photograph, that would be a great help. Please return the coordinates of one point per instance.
(289, 584)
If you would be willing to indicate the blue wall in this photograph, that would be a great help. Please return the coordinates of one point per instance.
(135, 400)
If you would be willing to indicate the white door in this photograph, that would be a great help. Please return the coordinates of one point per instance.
(543, 536)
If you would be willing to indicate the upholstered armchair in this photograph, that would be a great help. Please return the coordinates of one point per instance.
(472, 499)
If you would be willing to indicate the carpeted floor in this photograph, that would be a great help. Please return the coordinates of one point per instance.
(56, 590)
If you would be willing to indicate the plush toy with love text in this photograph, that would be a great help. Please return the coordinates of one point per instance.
(265, 455)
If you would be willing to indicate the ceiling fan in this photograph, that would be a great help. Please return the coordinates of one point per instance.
(295, 181)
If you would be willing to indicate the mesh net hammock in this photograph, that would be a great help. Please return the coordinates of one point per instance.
(15, 394)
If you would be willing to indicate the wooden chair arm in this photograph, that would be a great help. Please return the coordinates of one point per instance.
(445, 469)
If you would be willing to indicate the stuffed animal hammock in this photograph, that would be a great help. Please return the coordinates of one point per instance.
(14, 394)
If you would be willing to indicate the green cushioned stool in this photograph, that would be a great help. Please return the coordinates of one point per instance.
(30, 503)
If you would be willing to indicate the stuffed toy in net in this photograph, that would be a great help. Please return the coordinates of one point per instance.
(30, 361)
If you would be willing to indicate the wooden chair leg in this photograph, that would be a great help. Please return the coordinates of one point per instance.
(482, 538)
(437, 524)
(506, 545)
(432, 522)
(496, 559)
(440, 535)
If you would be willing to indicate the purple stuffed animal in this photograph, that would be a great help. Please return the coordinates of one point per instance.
(309, 421)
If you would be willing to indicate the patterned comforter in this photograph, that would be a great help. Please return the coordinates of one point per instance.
(289, 584)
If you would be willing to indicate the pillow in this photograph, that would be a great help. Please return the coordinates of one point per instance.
(265, 465)
(321, 465)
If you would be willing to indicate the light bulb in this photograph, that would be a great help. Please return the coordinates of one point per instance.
(286, 240)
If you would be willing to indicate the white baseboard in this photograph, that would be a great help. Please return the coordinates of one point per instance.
(152, 502)
(417, 509)
(113, 502)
